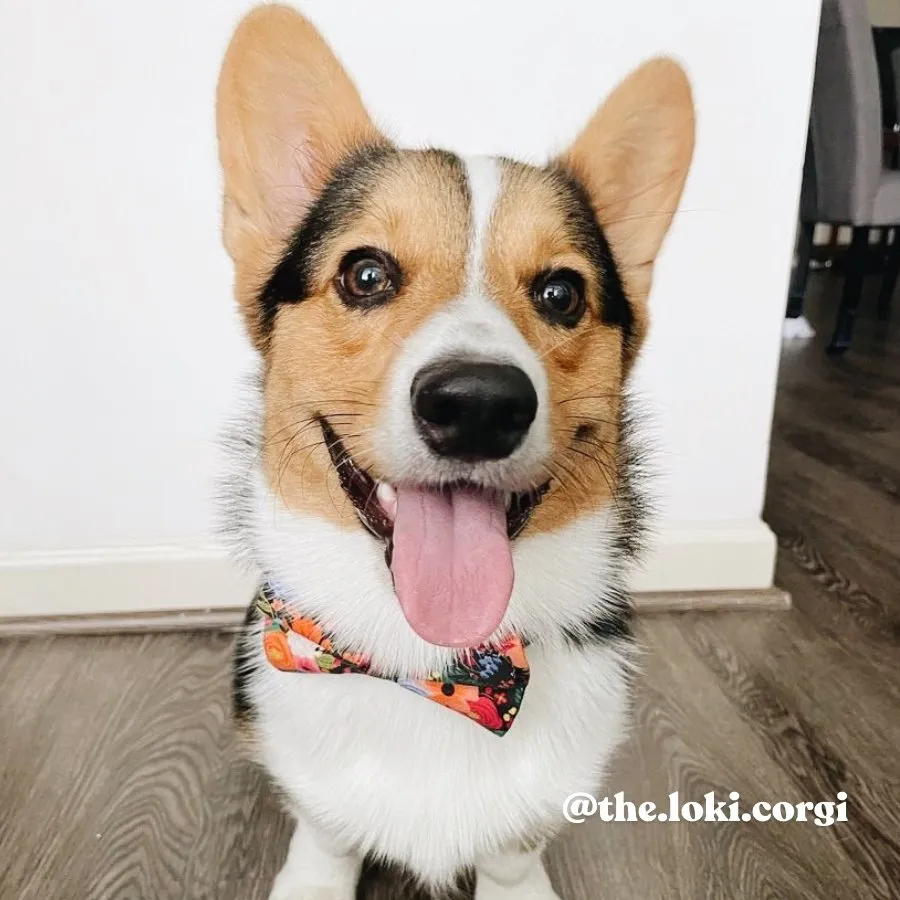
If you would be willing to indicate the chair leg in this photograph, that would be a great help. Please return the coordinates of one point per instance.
(853, 282)
(889, 282)
(797, 288)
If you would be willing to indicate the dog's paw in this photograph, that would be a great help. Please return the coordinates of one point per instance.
(516, 876)
(292, 889)
(316, 868)
(491, 890)
(313, 893)
(295, 884)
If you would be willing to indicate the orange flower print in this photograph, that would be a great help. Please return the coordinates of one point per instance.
(278, 651)
(465, 699)
(308, 629)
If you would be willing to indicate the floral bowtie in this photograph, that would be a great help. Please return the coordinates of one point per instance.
(486, 684)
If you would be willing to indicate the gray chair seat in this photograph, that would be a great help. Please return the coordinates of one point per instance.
(886, 210)
(845, 181)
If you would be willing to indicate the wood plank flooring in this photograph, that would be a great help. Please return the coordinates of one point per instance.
(119, 780)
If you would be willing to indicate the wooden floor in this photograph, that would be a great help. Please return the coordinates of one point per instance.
(118, 777)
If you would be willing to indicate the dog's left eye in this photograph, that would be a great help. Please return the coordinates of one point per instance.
(367, 277)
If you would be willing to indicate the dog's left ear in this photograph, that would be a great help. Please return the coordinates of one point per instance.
(633, 157)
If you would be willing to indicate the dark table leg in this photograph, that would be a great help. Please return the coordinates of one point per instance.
(797, 288)
(853, 282)
(889, 282)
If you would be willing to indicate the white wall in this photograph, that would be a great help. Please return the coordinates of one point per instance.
(119, 345)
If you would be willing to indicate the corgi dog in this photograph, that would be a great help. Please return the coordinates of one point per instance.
(437, 478)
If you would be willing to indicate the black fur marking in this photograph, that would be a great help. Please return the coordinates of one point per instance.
(343, 197)
(632, 502)
(612, 624)
(591, 240)
(378, 871)
(242, 667)
(449, 160)
(613, 617)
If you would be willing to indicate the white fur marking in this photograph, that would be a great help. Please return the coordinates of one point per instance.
(483, 174)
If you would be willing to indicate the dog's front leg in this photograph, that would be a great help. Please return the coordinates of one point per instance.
(513, 876)
(317, 867)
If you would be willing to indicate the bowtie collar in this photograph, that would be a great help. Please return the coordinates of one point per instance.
(485, 684)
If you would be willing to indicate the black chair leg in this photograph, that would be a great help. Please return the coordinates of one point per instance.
(797, 288)
(889, 282)
(853, 282)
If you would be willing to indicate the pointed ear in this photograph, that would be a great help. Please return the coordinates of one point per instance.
(633, 158)
(286, 114)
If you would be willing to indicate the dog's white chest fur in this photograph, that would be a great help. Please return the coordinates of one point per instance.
(385, 770)
(396, 774)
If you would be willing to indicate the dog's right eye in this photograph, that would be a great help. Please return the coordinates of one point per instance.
(559, 296)
(367, 277)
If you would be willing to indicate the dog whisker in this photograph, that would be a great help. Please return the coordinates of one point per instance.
(568, 338)
(586, 397)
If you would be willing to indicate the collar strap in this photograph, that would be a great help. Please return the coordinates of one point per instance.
(486, 684)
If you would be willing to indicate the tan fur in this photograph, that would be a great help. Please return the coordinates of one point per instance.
(287, 114)
(324, 358)
(584, 365)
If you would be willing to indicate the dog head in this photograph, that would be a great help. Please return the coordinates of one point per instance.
(445, 341)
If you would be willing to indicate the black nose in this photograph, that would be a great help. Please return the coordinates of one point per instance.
(473, 410)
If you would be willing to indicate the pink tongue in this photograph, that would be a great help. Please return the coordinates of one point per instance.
(452, 564)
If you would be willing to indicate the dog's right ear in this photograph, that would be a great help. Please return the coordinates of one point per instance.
(286, 114)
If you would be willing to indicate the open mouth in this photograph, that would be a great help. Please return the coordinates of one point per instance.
(375, 501)
(448, 548)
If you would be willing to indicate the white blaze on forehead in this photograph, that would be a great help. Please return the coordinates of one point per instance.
(483, 174)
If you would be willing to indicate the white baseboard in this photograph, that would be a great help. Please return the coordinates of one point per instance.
(133, 579)
(725, 556)
(721, 557)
